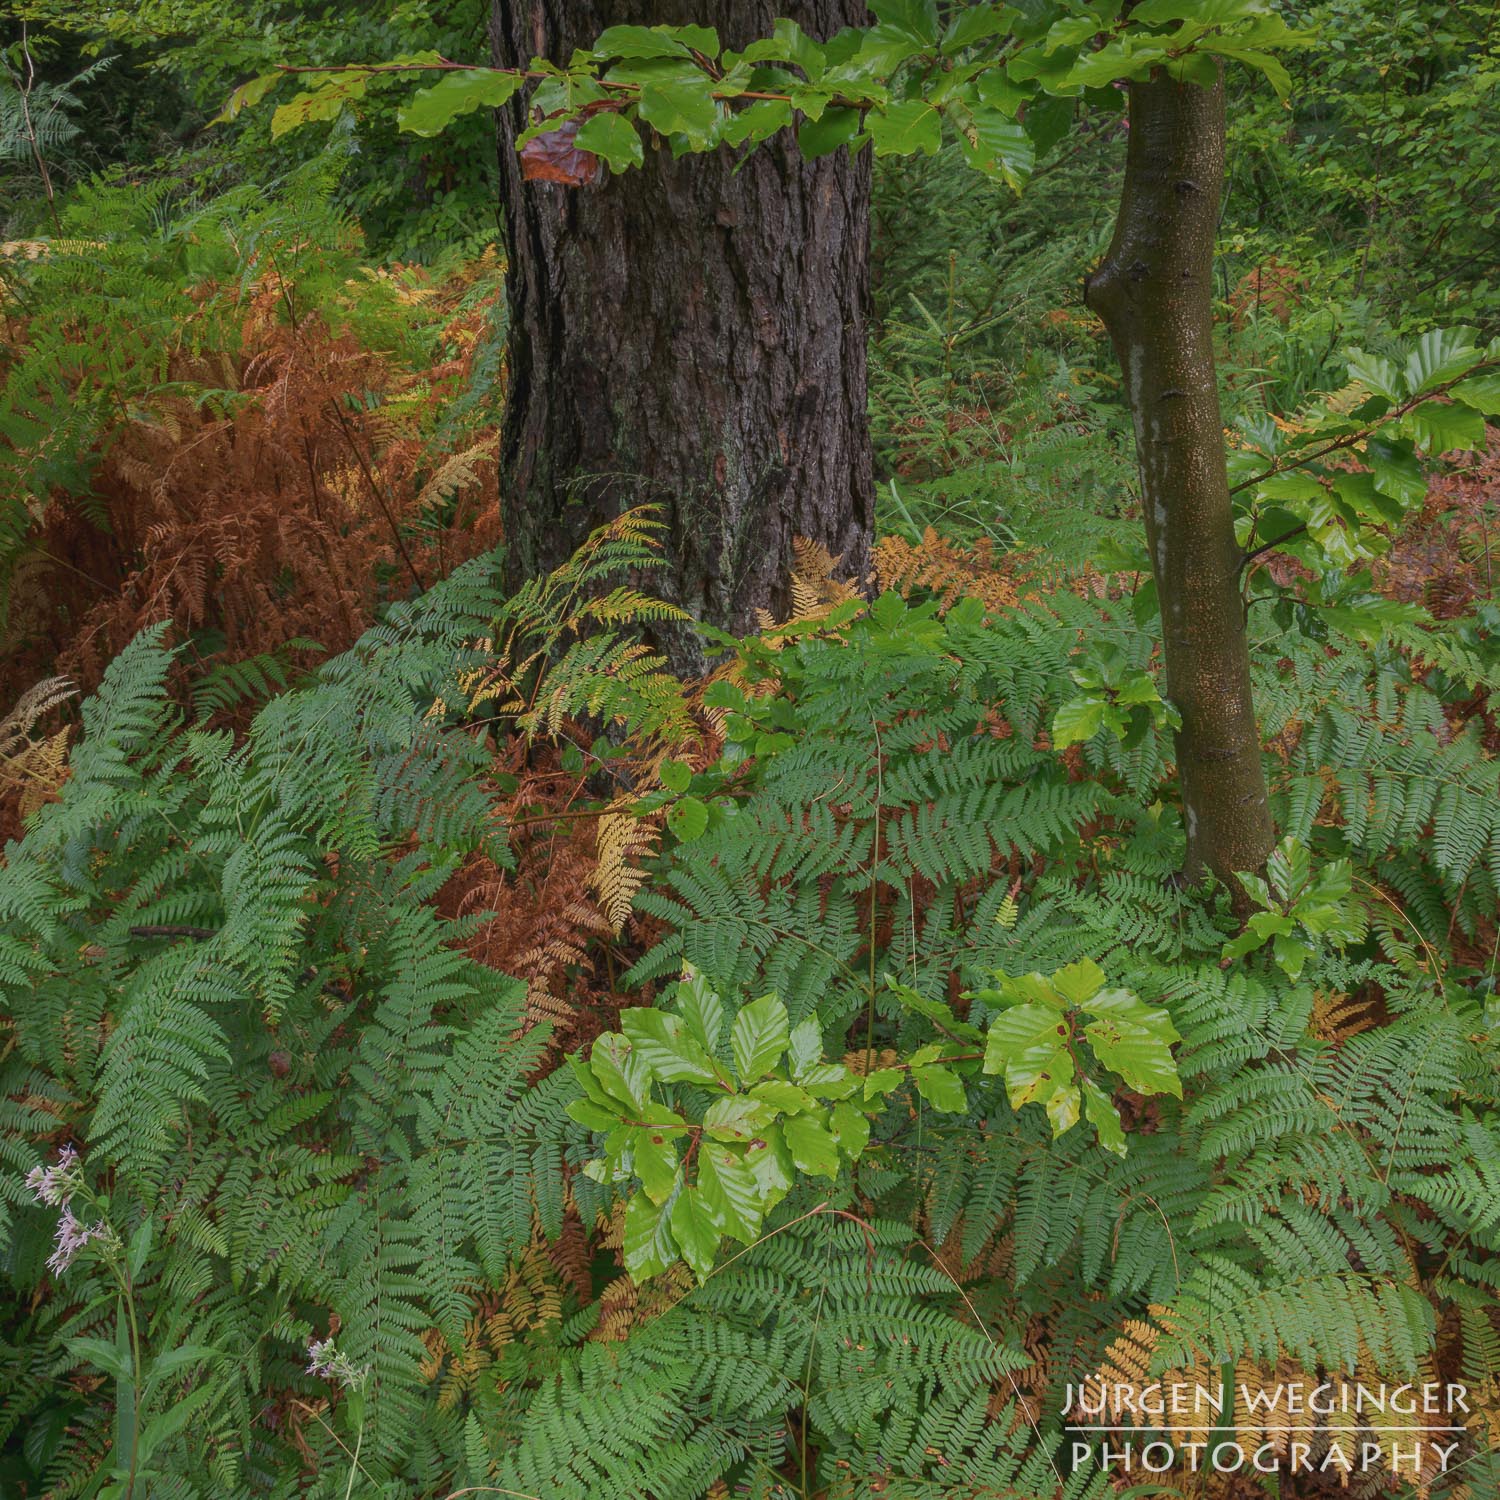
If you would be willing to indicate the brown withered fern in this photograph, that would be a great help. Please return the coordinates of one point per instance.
(290, 506)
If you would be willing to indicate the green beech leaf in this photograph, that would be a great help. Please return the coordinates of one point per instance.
(1396, 470)
(1376, 373)
(655, 1160)
(1262, 926)
(638, 41)
(1265, 63)
(738, 1118)
(1442, 427)
(1078, 982)
(1482, 393)
(813, 1149)
(977, 23)
(1290, 866)
(941, 1088)
(1134, 1040)
(680, 107)
(1070, 31)
(806, 1046)
(688, 819)
(884, 48)
(760, 1035)
(1103, 1116)
(918, 18)
(1048, 121)
(325, 103)
(592, 1115)
(648, 1243)
(789, 43)
(590, 1085)
(830, 1081)
(1062, 1106)
(704, 39)
(247, 96)
(1290, 953)
(995, 143)
(1439, 355)
(676, 775)
(621, 1073)
(1292, 485)
(730, 1193)
(695, 1233)
(822, 137)
(1077, 721)
(851, 1128)
(1028, 1045)
(701, 1008)
(612, 138)
(905, 128)
(430, 111)
(1029, 989)
(756, 122)
(1203, 12)
(666, 1045)
(771, 1164)
(786, 1097)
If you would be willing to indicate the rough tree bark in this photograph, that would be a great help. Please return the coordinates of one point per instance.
(691, 333)
(1154, 294)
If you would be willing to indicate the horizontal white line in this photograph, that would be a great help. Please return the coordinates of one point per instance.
(1310, 1431)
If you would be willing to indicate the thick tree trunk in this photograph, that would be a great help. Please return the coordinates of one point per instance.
(691, 333)
(1154, 293)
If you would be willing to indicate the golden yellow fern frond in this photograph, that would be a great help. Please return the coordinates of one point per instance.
(1337, 1016)
(1126, 1390)
(815, 592)
(530, 1298)
(1126, 1363)
(623, 842)
(624, 1306)
(628, 606)
(945, 569)
(458, 472)
(38, 767)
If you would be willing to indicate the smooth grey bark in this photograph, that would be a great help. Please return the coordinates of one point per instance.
(1154, 293)
(691, 333)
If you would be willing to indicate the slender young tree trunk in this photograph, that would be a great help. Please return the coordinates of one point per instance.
(690, 333)
(1154, 293)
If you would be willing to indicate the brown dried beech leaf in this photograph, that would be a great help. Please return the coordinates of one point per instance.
(554, 158)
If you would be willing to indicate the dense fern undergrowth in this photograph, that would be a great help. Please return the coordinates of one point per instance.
(443, 1054)
(253, 1048)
